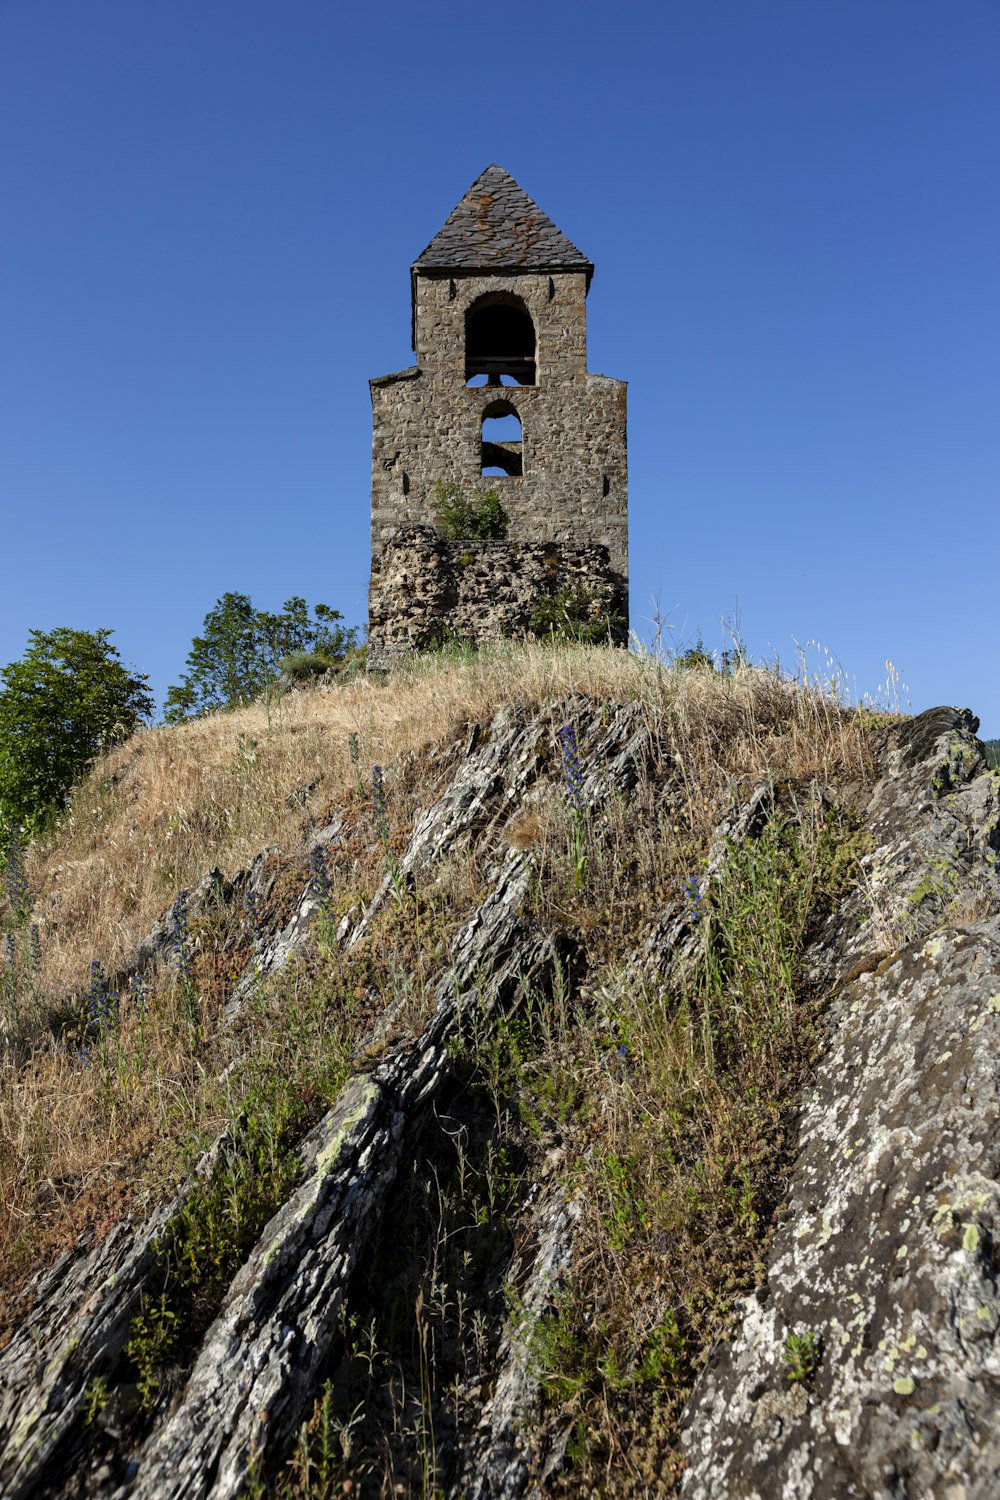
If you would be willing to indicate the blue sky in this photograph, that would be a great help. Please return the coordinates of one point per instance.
(209, 209)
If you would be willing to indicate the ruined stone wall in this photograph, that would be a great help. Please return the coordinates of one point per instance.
(429, 588)
(427, 423)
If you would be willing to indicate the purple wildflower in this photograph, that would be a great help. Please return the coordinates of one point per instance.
(15, 880)
(572, 770)
(251, 902)
(178, 940)
(320, 880)
(696, 898)
(103, 1002)
(140, 996)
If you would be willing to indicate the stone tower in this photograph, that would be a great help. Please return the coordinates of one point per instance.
(500, 399)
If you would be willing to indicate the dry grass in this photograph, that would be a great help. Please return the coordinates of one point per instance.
(72, 1129)
(157, 813)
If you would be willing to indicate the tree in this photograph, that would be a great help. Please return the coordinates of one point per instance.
(66, 700)
(241, 650)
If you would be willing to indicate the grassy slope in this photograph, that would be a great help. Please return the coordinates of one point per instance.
(669, 1116)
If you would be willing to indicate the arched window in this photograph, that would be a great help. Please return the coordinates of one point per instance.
(499, 341)
(501, 441)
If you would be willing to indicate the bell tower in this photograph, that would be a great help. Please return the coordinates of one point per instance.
(500, 397)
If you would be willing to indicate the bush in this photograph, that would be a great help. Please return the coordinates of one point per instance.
(699, 658)
(576, 614)
(479, 518)
(301, 665)
(442, 637)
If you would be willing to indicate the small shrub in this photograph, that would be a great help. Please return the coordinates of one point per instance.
(153, 1335)
(441, 637)
(575, 614)
(698, 658)
(801, 1355)
(475, 518)
(95, 1399)
(301, 665)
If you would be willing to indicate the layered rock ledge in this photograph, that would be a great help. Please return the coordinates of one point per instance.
(880, 1298)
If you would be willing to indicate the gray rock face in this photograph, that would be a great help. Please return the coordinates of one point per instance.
(886, 1258)
(934, 820)
(882, 1281)
(503, 1455)
(75, 1334)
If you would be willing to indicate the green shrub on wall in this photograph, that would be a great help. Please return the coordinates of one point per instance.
(465, 518)
(575, 614)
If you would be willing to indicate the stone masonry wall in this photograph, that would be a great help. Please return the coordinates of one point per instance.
(427, 423)
(428, 586)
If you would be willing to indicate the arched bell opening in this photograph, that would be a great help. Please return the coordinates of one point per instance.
(499, 341)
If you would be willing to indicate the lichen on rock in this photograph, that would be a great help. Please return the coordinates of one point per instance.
(869, 1346)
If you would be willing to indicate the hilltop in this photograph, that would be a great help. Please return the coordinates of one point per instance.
(550, 1071)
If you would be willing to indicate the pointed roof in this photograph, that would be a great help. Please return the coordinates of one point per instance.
(497, 227)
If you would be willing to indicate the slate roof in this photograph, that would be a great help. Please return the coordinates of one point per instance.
(497, 227)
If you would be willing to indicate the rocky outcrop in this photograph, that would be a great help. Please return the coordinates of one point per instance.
(276, 1323)
(867, 1363)
(881, 1295)
(882, 1289)
(933, 818)
(74, 1335)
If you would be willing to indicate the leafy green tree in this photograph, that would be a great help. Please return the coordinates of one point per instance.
(67, 699)
(240, 651)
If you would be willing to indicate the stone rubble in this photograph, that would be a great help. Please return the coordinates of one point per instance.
(429, 589)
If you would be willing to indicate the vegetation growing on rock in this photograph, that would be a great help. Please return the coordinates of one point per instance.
(449, 1108)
